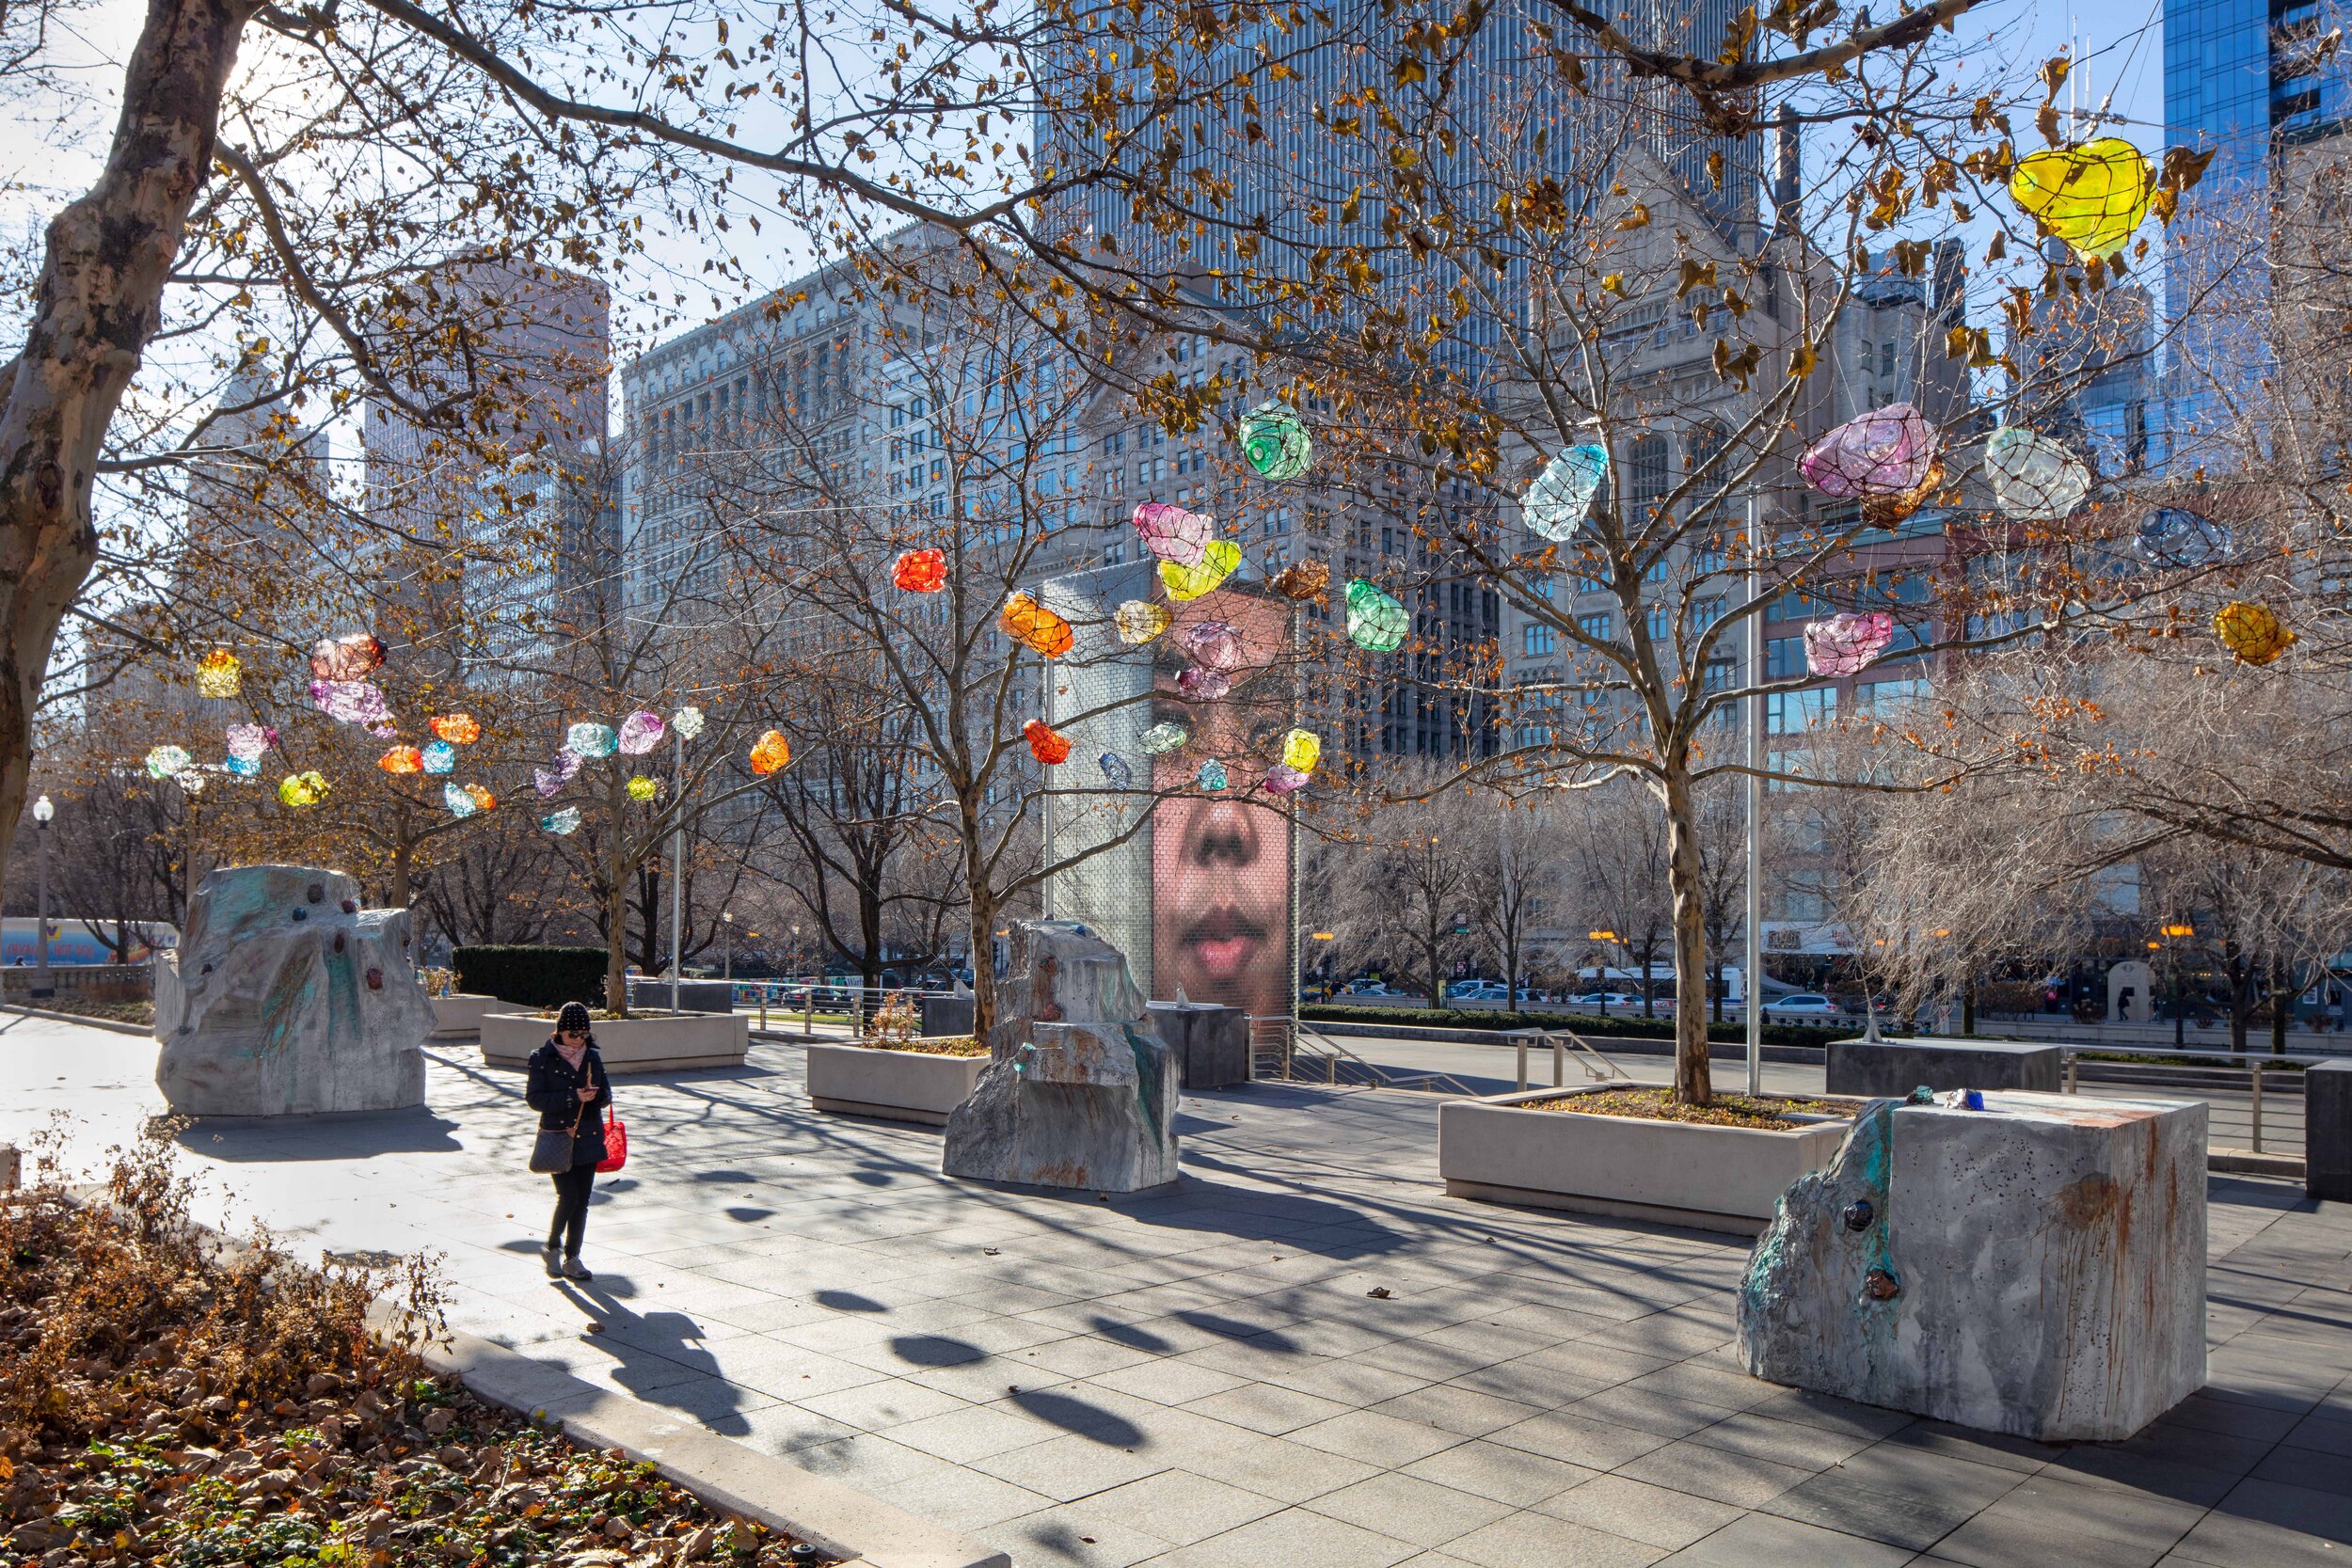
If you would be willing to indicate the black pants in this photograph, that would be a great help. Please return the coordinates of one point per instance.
(571, 1208)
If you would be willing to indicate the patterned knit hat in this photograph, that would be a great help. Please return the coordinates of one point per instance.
(574, 1017)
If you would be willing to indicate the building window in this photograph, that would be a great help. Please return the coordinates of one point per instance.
(1704, 613)
(1784, 656)
(1647, 474)
(1537, 640)
(1595, 625)
(1794, 712)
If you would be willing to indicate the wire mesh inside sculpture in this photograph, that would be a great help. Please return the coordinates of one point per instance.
(2252, 631)
(2091, 195)
(1046, 743)
(1885, 459)
(1161, 739)
(1216, 564)
(1375, 621)
(1556, 504)
(1203, 685)
(1172, 533)
(2178, 539)
(1214, 643)
(1845, 642)
(1274, 441)
(2034, 479)
(920, 571)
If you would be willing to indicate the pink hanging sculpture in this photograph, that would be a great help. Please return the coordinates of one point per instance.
(1847, 642)
(1214, 644)
(1172, 533)
(1886, 451)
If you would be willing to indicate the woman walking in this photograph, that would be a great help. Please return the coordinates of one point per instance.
(570, 1091)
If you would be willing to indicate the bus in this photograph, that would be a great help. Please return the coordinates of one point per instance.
(70, 942)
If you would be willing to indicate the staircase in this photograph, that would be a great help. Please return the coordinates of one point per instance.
(1283, 1049)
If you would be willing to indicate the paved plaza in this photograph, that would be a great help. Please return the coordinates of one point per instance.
(1306, 1356)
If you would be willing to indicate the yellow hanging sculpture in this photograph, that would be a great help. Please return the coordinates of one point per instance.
(1140, 621)
(217, 674)
(1189, 582)
(2250, 631)
(2091, 195)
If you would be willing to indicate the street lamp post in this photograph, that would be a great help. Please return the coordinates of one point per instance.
(44, 984)
(726, 925)
(2173, 933)
(1604, 935)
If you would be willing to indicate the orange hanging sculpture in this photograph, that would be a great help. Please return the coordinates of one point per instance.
(1303, 579)
(1029, 623)
(402, 759)
(771, 754)
(1046, 743)
(458, 729)
(920, 571)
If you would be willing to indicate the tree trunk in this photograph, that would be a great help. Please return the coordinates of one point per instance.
(403, 868)
(2241, 996)
(616, 956)
(95, 307)
(1969, 1005)
(1686, 882)
(2282, 1004)
(980, 934)
(1511, 972)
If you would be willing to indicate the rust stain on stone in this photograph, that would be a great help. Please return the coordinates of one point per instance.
(2088, 1201)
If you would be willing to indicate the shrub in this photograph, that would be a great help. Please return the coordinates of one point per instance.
(531, 976)
(1635, 1027)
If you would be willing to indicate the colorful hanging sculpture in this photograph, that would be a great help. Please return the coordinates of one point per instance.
(1115, 769)
(2091, 195)
(1172, 533)
(770, 754)
(345, 658)
(244, 768)
(1212, 776)
(1302, 579)
(1046, 743)
(640, 732)
(1374, 620)
(248, 741)
(1189, 582)
(218, 673)
(688, 721)
(302, 789)
(1845, 642)
(2034, 479)
(1556, 504)
(643, 788)
(1161, 739)
(591, 740)
(548, 781)
(482, 799)
(2250, 631)
(1274, 441)
(1203, 685)
(1885, 453)
(920, 571)
(1029, 623)
(165, 761)
(1282, 779)
(1890, 511)
(438, 757)
(459, 800)
(2177, 538)
(1140, 621)
(458, 729)
(402, 759)
(1301, 750)
(351, 702)
(190, 780)
(562, 824)
(1216, 644)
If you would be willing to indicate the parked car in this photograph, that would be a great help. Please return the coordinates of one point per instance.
(1611, 999)
(1802, 1004)
(1487, 990)
(1368, 987)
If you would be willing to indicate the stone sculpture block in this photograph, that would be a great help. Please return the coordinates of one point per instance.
(2036, 1267)
(1863, 1069)
(2327, 1131)
(288, 999)
(1080, 1090)
(1211, 1041)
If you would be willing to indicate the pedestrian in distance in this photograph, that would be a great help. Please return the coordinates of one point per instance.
(570, 1091)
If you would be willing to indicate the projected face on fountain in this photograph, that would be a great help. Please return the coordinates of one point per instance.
(1220, 859)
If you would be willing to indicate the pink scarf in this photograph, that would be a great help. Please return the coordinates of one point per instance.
(572, 1056)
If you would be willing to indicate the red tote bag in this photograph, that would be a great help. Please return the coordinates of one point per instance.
(615, 1144)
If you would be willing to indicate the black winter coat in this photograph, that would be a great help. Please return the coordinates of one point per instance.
(553, 1091)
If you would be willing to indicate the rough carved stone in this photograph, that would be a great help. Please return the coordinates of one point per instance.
(2036, 1267)
(1080, 1089)
(287, 999)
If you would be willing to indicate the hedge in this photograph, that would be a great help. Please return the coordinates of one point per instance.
(1584, 1023)
(531, 976)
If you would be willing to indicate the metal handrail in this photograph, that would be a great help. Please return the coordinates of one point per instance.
(1596, 1067)
(2251, 1063)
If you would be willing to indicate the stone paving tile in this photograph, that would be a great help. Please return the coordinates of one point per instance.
(1761, 1538)
(1654, 1515)
(1410, 1509)
(1597, 1444)
(1294, 1538)
(1381, 1440)
(1909, 1519)
(2223, 1540)
(1070, 1533)
(1717, 1473)
(1531, 1539)
(1071, 1466)
(1262, 1407)
(1506, 1475)
(1467, 1411)
(1175, 1506)
(1287, 1471)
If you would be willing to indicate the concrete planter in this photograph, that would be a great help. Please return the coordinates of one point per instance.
(1891, 1068)
(894, 1085)
(459, 1015)
(1725, 1179)
(627, 1045)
